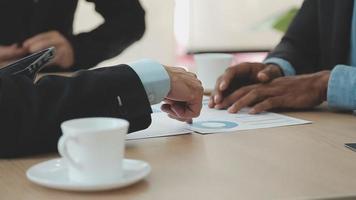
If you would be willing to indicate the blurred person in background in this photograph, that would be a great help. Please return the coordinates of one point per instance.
(28, 26)
(314, 62)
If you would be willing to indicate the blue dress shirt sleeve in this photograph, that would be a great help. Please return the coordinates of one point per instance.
(342, 87)
(154, 78)
(287, 68)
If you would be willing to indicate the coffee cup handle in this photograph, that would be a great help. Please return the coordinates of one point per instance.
(63, 150)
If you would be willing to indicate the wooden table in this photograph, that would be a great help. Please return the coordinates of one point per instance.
(297, 162)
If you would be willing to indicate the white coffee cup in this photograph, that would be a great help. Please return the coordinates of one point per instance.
(210, 66)
(93, 148)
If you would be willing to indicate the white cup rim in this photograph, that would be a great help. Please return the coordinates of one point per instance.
(76, 125)
(213, 56)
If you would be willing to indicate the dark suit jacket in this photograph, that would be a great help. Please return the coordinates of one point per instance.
(319, 36)
(30, 114)
(124, 24)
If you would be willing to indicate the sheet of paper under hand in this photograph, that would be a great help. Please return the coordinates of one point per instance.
(215, 121)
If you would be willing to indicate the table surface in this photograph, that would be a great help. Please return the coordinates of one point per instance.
(295, 162)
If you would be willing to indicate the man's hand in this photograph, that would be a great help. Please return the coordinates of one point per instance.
(297, 92)
(241, 75)
(11, 53)
(64, 56)
(184, 101)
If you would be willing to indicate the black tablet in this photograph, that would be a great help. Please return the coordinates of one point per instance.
(29, 65)
(351, 146)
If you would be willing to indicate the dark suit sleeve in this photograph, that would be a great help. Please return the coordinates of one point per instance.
(30, 114)
(124, 24)
(300, 44)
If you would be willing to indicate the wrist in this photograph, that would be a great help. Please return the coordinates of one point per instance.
(322, 83)
(154, 77)
(276, 69)
(170, 75)
(285, 66)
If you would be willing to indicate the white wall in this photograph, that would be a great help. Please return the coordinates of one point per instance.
(158, 42)
(234, 24)
(199, 25)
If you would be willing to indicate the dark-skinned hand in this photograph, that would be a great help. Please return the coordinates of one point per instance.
(296, 92)
(241, 75)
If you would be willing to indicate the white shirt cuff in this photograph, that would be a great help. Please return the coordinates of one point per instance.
(154, 78)
(287, 68)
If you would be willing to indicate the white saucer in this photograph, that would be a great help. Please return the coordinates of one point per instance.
(54, 174)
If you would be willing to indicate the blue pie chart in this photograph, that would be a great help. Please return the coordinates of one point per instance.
(214, 124)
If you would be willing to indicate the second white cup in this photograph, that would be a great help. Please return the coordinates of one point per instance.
(93, 148)
(210, 66)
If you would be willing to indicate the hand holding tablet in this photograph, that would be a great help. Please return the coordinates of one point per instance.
(29, 65)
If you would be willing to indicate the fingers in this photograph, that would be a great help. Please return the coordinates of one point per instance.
(244, 96)
(167, 108)
(179, 109)
(216, 96)
(182, 115)
(196, 103)
(11, 52)
(186, 94)
(245, 73)
(189, 109)
(269, 73)
(224, 81)
(266, 95)
(193, 109)
(235, 96)
(168, 101)
(247, 100)
(191, 74)
(229, 74)
(64, 51)
(214, 100)
(174, 113)
(254, 95)
(42, 41)
(269, 103)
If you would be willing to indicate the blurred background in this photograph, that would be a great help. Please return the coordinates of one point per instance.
(178, 28)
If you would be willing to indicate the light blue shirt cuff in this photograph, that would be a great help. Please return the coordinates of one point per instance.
(342, 87)
(154, 78)
(287, 68)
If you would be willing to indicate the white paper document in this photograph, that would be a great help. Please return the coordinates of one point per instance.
(213, 121)
(161, 126)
